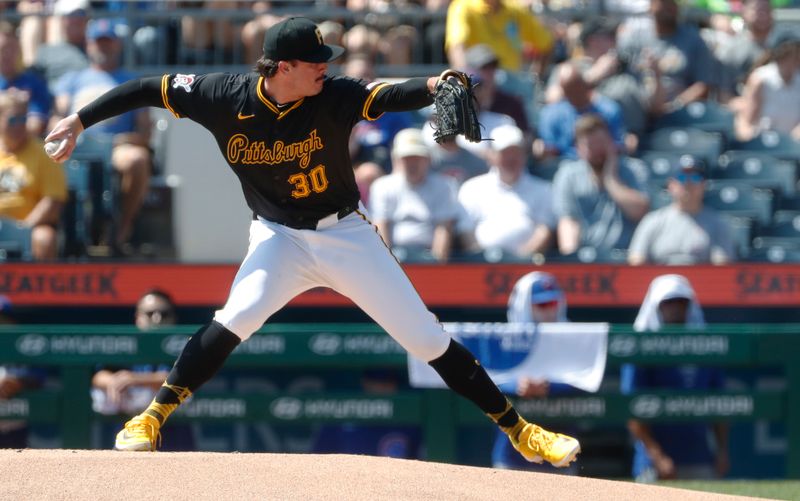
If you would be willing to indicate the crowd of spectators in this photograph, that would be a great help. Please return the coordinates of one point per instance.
(537, 69)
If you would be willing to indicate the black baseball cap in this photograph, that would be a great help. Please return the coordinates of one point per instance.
(298, 38)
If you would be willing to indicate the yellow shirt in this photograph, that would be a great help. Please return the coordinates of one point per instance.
(511, 31)
(26, 177)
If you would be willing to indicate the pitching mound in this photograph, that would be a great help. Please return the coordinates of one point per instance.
(68, 474)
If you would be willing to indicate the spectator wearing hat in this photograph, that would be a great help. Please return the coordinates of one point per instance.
(515, 34)
(701, 451)
(557, 120)
(130, 131)
(600, 197)
(535, 298)
(13, 74)
(507, 208)
(482, 64)
(412, 207)
(771, 94)
(65, 52)
(686, 231)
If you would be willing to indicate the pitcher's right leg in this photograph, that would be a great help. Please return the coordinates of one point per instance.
(274, 271)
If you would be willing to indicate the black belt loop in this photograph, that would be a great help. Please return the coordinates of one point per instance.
(345, 211)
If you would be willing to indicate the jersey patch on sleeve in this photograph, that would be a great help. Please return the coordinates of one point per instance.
(185, 81)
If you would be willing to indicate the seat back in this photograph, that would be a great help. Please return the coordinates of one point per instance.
(772, 143)
(15, 241)
(759, 170)
(740, 199)
(704, 115)
(685, 140)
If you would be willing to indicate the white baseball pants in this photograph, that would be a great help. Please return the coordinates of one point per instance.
(347, 255)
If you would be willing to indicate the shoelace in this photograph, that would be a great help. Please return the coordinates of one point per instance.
(542, 438)
(143, 426)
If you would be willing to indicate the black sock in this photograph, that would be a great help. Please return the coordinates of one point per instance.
(200, 359)
(466, 376)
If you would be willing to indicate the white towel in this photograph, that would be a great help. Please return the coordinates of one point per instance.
(571, 353)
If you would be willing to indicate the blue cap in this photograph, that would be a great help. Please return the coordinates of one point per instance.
(690, 164)
(545, 290)
(102, 28)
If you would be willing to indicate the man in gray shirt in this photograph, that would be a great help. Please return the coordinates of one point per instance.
(599, 198)
(684, 232)
(686, 66)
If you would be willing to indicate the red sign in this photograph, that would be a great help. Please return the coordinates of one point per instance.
(479, 285)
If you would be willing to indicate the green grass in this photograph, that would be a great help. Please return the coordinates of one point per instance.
(771, 489)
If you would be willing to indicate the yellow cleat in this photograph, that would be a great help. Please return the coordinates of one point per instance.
(139, 434)
(537, 444)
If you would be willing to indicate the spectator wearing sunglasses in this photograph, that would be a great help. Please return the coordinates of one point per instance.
(686, 231)
(127, 391)
(33, 187)
(537, 298)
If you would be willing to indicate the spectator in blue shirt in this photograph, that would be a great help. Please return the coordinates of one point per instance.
(130, 131)
(557, 120)
(536, 297)
(13, 380)
(674, 450)
(13, 74)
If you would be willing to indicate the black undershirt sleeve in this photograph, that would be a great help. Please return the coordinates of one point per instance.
(410, 95)
(125, 97)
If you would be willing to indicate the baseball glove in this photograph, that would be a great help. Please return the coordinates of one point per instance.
(455, 106)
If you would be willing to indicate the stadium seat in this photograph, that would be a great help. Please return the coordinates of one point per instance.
(702, 144)
(785, 233)
(412, 254)
(759, 170)
(95, 150)
(774, 254)
(591, 255)
(742, 232)
(739, 199)
(660, 165)
(772, 143)
(545, 169)
(77, 210)
(15, 241)
(781, 216)
(704, 115)
(504, 256)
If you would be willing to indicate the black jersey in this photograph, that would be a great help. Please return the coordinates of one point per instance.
(293, 161)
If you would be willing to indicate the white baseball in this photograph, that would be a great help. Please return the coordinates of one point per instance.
(51, 147)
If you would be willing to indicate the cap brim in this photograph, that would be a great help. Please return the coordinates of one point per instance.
(545, 297)
(325, 54)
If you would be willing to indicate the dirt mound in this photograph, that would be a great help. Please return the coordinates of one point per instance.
(69, 474)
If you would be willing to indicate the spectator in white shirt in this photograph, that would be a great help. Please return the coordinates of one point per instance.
(507, 208)
(412, 207)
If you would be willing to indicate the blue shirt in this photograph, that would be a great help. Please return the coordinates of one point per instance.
(693, 446)
(557, 123)
(40, 99)
(85, 86)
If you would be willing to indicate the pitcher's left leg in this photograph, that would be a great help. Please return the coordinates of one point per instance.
(367, 273)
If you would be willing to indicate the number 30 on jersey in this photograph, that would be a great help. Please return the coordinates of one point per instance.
(304, 184)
